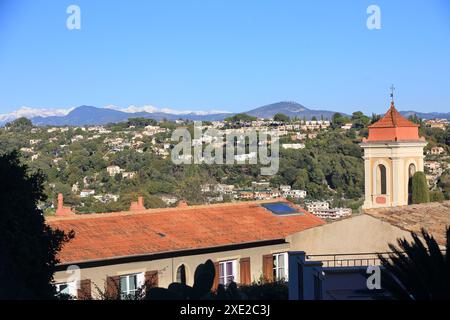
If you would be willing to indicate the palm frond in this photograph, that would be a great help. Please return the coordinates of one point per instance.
(417, 269)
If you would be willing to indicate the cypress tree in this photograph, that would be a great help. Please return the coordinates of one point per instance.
(420, 193)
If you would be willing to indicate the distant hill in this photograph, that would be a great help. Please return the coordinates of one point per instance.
(87, 115)
(291, 109)
(84, 115)
(426, 116)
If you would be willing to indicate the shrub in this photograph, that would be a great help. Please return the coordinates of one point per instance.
(420, 193)
(261, 290)
(436, 196)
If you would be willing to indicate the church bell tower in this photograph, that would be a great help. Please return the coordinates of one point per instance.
(393, 152)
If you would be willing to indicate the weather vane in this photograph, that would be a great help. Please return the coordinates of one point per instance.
(392, 93)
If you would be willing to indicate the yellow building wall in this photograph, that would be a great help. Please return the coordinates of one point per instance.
(396, 157)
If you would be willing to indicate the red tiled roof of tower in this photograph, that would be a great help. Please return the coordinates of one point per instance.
(393, 119)
(112, 235)
(393, 127)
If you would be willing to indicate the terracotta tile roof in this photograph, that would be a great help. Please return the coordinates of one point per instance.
(110, 235)
(434, 217)
(393, 119)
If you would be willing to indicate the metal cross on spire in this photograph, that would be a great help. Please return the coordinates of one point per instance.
(392, 92)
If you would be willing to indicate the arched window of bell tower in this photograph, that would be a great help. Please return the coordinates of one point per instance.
(411, 171)
(381, 179)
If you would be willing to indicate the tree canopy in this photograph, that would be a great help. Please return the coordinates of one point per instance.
(339, 120)
(360, 120)
(28, 246)
(241, 117)
(281, 117)
(20, 123)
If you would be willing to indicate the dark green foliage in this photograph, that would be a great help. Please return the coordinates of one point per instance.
(360, 120)
(141, 122)
(202, 289)
(414, 118)
(20, 124)
(447, 136)
(111, 291)
(436, 136)
(338, 120)
(240, 117)
(417, 270)
(281, 117)
(420, 193)
(261, 290)
(203, 282)
(231, 292)
(28, 246)
(333, 160)
(436, 196)
(444, 184)
(203, 279)
(375, 118)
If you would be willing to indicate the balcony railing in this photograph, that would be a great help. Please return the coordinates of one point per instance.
(349, 259)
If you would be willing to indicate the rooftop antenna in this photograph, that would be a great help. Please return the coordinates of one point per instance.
(392, 92)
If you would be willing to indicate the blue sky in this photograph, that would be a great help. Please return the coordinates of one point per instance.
(225, 54)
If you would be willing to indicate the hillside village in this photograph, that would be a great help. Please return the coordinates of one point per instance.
(103, 168)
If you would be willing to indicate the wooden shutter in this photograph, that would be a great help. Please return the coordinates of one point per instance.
(151, 279)
(245, 276)
(113, 287)
(84, 292)
(268, 267)
(216, 276)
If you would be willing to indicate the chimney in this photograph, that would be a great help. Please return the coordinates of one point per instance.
(137, 205)
(60, 201)
(182, 204)
(61, 210)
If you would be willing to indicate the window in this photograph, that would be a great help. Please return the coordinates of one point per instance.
(411, 170)
(227, 272)
(280, 266)
(381, 179)
(130, 284)
(66, 289)
(181, 274)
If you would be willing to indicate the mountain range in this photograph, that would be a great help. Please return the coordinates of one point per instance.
(88, 115)
(427, 115)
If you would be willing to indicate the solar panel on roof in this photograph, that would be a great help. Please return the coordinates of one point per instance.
(279, 208)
